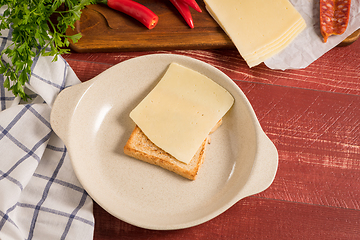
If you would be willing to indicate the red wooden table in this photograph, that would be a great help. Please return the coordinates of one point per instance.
(313, 117)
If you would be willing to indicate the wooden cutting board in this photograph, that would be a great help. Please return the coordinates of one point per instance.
(107, 30)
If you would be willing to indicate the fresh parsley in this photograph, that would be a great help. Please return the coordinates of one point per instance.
(35, 33)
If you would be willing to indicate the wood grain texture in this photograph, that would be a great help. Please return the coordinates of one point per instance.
(251, 218)
(106, 30)
(317, 135)
(336, 71)
(316, 191)
(313, 117)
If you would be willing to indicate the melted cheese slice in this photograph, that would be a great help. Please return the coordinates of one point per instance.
(258, 28)
(178, 114)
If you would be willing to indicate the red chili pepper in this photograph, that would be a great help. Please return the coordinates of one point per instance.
(184, 10)
(135, 10)
(193, 4)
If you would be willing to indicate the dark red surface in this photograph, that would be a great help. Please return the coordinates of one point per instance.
(313, 117)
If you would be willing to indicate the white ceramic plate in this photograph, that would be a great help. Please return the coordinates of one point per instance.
(92, 119)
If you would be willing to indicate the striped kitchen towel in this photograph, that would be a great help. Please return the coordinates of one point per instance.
(40, 196)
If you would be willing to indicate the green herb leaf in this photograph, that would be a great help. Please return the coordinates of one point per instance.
(34, 34)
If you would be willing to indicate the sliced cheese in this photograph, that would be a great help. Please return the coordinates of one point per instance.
(258, 28)
(264, 54)
(178, 114)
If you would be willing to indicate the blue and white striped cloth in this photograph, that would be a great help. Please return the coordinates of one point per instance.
(40, 196)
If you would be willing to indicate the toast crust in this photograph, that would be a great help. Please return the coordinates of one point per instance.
(141, 148)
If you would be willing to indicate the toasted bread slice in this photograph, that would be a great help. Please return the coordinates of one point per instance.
(140, 147)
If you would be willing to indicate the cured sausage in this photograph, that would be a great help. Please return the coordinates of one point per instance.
(334, 17)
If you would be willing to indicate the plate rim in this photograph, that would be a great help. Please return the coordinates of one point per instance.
(231, 202)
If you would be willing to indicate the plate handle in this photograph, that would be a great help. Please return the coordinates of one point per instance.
(64, 108)
(264, 169)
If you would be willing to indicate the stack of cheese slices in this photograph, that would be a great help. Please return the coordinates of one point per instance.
(258, 28)
(174, 120)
